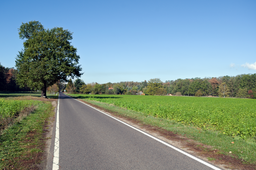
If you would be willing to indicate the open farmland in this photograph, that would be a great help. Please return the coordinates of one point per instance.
(233, 117)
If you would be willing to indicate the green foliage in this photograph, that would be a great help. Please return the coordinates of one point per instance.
(223, 90)
(2, 78)
(242, 93)
(70, 87)
(97, 89)
(233, 117)
(48, 56)
(198, 93)
(78, 84)
(153, 86)
(178, 93)
(86, 89)
(21, 143)
(8, 108)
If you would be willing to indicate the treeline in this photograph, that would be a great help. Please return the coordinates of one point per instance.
(227, 86)
(8, 80)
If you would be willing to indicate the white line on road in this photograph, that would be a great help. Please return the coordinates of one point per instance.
(173, 147)
(55, 165)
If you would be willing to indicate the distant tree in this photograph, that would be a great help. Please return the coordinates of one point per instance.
(103, 89)
(252, 93)
(119, 89)
(83, 88)
(143, 85)
(178, 94)
(134, 90)
(214, 86)
(70, 87)
(89, 89)
(53, 89)
(223, 90)
(198, 93)
(97, 88)
(78, 84)
(2, 78)
(153, 86)
(48, 56)
(242, 93)
(161, 91)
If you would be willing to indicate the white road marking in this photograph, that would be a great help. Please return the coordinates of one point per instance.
(55, 165)
(173, 147)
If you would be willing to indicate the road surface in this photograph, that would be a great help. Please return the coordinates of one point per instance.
(89, 139)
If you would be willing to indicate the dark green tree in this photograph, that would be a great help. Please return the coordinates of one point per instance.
(97, 88)
(2, 78)
(48, 56)
(78, 84)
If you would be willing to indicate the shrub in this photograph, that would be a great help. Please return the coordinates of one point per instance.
(198, 93)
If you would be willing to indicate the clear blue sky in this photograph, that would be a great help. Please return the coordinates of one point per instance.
(136, 40)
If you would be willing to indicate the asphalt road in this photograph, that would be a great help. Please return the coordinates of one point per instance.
(92, 140)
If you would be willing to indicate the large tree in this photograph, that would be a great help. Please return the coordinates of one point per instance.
(48, 56)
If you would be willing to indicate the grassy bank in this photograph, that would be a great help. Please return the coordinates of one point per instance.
(237, 146)
(22, 144)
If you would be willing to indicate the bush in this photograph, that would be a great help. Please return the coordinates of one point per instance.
(198, 93)
(178, 93)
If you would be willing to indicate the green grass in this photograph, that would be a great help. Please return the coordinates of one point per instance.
(8, 108)
(22, 143)
(195, 118)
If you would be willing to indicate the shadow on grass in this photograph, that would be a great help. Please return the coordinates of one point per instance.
(19, 94)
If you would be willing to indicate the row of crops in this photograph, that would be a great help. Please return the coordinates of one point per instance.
(231, 116)
(10, 109)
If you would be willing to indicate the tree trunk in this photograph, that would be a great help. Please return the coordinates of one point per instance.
(43, 93)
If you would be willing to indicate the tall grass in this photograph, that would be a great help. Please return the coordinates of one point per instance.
(10, 109)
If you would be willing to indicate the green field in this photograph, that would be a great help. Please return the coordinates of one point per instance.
(22, 121)
(9, 108)
(230, 116)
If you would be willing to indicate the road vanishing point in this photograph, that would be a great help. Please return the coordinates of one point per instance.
(87, 139)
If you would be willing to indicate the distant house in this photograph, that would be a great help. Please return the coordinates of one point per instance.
(110, 88)
(169, 94)
(140, 93)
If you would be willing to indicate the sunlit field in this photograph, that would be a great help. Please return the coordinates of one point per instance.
(230, 116)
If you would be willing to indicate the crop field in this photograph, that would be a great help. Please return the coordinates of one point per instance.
(230, 116)
(10, 110)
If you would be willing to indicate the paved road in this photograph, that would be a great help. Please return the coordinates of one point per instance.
(92, 140)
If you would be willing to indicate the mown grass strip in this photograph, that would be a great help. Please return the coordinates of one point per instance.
(245, 150)
(21, 145)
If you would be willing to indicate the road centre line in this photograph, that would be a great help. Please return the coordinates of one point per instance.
(167, 144)
(55, 165)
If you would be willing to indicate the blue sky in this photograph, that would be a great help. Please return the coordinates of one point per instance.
(137, 40)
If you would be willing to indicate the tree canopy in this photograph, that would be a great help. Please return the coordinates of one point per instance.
(47, 57)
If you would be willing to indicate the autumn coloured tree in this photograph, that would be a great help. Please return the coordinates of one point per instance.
(47, 57)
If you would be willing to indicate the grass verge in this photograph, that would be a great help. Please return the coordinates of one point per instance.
(22, 145)
(243, 151)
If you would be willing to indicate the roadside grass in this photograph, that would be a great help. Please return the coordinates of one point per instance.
(33, 94)
(245, 150)
(22, 144)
